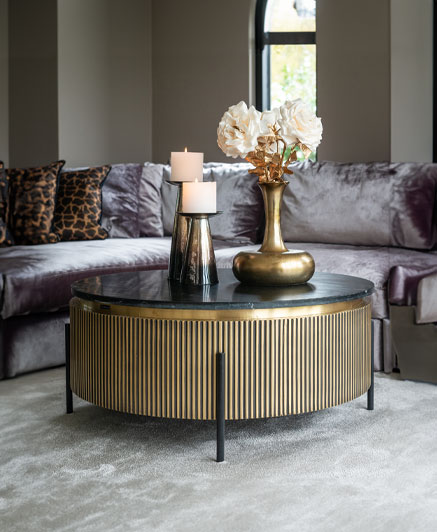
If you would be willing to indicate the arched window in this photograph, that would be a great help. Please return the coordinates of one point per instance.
(285, 39)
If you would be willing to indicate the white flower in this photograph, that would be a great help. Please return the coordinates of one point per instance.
(299, 124)
(268, 120)
(238, 130)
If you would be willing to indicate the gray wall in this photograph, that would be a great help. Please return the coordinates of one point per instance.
(353, 76)
(4, 80)
(201, 66)
(33, 104)
(411, 80)
(104, 59)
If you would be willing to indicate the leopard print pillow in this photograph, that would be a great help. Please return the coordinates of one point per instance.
(32, 193)
(5, 236)
(79, 204)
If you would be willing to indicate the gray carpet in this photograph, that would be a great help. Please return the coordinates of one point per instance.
(340, 469)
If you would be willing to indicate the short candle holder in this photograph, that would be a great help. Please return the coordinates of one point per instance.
(179, 237)
(199, 267)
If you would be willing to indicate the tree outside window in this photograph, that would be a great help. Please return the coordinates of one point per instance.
(286, 52)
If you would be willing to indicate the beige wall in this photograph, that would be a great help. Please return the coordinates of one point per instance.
(4, 80)
(411, 80)
(353, 76)
(33, 105)
(201, 66)
(94, 81)
(104, 57)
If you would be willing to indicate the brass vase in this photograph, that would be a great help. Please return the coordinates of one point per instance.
(273, 264)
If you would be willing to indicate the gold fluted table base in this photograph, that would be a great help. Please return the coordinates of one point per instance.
(161, 362)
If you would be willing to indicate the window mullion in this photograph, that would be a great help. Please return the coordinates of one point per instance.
(291, 37)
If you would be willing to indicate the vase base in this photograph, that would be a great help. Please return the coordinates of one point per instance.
(273, 268)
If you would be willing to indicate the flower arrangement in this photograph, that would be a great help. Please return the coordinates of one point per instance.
(269, 140)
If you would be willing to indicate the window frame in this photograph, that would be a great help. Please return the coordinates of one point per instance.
(262, 56)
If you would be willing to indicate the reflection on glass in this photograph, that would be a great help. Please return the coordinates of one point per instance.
(290, 15)
(182, 293)
(293, 73)
(273, 293)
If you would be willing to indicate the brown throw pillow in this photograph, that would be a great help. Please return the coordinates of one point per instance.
(5, 235)
(79, 204)
(32, 193)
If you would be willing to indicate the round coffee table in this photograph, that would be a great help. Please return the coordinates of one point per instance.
(142, 344)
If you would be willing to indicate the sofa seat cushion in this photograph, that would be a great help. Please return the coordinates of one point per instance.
(37, 279)
(373, 263)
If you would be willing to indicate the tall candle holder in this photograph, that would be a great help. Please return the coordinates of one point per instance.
(199, 267)
(179, 237)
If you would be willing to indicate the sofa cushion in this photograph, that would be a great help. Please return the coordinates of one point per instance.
(238, 196)
(5, 235)
(120, 201)
(79, 204)
(38, 278)
(373, 263)
(149, 204)
(372, 204)
(32, 194)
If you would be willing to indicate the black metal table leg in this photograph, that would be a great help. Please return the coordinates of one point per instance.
(220, 406)
(370, 391)
(68, 392)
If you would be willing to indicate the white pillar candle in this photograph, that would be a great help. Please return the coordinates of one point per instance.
(199, 197)
(186, 166)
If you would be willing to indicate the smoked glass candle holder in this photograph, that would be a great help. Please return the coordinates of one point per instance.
(199, 266)
(179, 237)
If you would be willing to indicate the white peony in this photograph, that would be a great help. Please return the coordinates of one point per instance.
(239, 129)
(298, 123)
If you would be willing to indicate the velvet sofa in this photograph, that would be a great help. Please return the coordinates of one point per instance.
(375, 220)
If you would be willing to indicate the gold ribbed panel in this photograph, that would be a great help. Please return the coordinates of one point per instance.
(166, 367)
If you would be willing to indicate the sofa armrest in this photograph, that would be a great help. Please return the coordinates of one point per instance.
(426, 307)
(404, 280)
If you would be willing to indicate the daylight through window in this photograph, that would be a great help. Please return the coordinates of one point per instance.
(286, 52)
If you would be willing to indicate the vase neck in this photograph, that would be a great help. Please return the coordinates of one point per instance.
(272, 195)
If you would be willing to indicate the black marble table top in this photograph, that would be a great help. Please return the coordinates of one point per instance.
(153, 289)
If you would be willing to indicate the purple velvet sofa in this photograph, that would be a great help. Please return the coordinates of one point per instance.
(373, 220)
